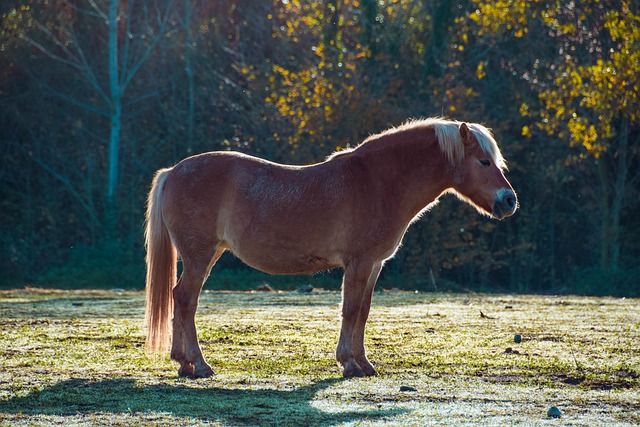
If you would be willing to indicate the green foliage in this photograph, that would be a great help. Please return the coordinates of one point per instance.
(292, 82)
(596, 281)
(106, 266)
(585, 77)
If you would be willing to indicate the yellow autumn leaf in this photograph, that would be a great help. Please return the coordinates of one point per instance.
(480, 73)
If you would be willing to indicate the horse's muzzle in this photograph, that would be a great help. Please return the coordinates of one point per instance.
(505, 203)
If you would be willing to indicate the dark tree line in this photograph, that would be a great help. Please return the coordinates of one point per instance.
(96, 95)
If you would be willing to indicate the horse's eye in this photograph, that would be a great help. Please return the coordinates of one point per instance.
(486, 163)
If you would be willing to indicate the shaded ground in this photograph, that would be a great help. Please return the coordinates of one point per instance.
(77, 358)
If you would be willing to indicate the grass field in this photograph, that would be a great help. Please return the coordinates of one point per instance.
(77, 358)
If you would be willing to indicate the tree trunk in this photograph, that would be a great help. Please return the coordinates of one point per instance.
(612, 199)
(116, 115)
(441, 17)
(605, 235)
(622, 171)
(189, 70)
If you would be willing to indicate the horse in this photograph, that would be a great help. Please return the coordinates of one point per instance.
(350, 211)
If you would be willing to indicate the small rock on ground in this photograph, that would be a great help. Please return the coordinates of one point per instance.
(554, 412)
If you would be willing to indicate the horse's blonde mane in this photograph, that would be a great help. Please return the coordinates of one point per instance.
(449, 139)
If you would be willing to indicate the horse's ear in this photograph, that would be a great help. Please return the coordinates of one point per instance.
(467, 136)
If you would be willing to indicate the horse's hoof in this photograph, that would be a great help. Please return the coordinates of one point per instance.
(186, 370)
(202, 372)
(366, 367)
(369, 370)
(352, 369)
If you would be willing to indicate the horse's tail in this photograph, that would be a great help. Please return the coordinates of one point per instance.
(161, 269)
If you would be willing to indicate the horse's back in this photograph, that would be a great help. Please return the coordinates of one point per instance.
(277, 218)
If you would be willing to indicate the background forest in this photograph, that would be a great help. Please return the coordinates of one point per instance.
(95, 95)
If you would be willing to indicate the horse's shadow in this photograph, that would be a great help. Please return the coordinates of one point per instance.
(230, 406)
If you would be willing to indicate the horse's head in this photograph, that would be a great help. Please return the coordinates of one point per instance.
(479, 178)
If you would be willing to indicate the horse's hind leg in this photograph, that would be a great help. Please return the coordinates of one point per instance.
(185, 296)
(185, 349)
(178, 349)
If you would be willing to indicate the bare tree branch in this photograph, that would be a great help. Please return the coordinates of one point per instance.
(99, 11)
(131, 72)
(88, 71)
(58, 42)
(67, 184)
(50, 54)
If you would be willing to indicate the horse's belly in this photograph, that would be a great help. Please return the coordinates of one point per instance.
(285, 261)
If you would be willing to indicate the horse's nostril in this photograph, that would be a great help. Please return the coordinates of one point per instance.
(511, 202)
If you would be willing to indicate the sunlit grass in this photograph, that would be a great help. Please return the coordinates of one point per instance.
(77, 357)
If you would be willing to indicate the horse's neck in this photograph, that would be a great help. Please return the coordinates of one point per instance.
(412, 172)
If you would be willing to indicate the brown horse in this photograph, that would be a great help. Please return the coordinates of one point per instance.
(350, 211)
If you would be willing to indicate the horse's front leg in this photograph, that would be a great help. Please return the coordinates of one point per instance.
(358, 332)
(354, 284)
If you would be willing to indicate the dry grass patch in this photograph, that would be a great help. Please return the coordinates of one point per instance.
(77, 358)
